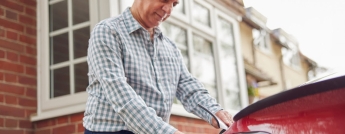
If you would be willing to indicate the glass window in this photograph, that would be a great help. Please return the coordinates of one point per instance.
(230, 79)
(205, 64)
(291, 56)
(80, 11)
(58, 18)
(261, 39)
(201, 14)
(68, 46)
(60, 82)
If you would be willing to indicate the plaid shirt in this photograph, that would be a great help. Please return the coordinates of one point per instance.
(133, 80)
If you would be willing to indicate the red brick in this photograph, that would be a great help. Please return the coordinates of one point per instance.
(27, 80)
(4, 65)
(12, 56)
(27, 39)
(27, 60)
(1, 12)
(80, 127)
(11, 15)
(30, 112)
(30, 92)
(10, 123)
(2, 32)
(2, 98)
(11, 131)
(45, 123)
(2, 54)
(31, 71)
(30, 12)
(27, 102)
(30, 31)
(11, 100)
(44, 131)
(62, 120)
(64, 129)
(12, 25)
(178, 119)
(30, 50)
(29, 131)
(77, 117)
(12, 112)
(11, 35)
(27, 20)
(12, 5)
(11, 45)
(29, 2)
(2, 124)
(25, 124)
(11, 78)
(17, 90)
(1, 76)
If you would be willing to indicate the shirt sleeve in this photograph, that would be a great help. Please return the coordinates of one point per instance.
(105, 61)
(191, 92)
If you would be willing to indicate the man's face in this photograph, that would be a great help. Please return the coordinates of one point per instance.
(153, 12)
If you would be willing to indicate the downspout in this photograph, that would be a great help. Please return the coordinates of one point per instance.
(253, 53)
(282, 74)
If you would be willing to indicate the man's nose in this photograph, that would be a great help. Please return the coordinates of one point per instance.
(167, 8)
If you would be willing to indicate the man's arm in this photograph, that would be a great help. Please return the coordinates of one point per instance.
(105, 61)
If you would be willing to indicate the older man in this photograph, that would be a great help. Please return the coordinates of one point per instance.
(135, 72)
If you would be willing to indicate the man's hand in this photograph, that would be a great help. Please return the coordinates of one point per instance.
(178, 132)
(224, 116)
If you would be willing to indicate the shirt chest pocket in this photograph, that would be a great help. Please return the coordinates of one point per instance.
(169, 69)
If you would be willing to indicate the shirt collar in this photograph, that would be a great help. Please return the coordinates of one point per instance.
(133, 25)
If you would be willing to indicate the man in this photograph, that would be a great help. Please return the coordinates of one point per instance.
(135, 72)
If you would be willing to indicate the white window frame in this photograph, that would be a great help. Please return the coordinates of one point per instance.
(210, 30)
(192, 29)
(262, 40)
(293, 49)
(182, 17)
(52, 107)
(240, 64)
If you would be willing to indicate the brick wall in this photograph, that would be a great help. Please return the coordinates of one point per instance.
(17, 65)
(70, 124)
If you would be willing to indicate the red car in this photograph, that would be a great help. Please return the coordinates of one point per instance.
(316, 108)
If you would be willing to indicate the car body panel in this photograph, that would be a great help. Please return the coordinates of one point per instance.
(313, 108)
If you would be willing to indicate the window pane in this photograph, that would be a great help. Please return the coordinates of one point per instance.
(58, 16)
(81, 78)
(204, 65)
(80, 11)
(60, 82)
(59, 48)
(229, 65)
(225, 32)
(201, 14)
(180, 7)
(179, 36)
(81, 40)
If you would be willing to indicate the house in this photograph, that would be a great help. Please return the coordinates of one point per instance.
(43, 69)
